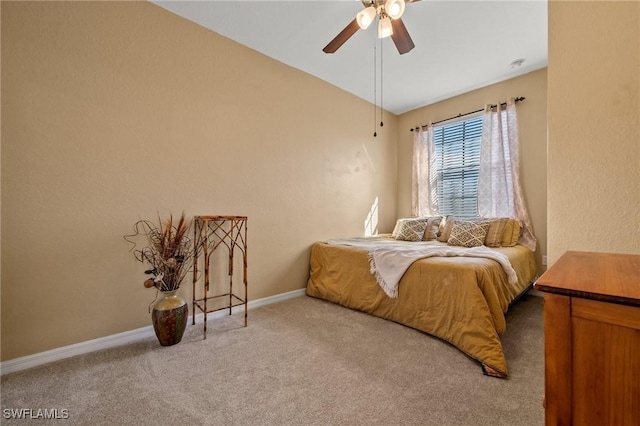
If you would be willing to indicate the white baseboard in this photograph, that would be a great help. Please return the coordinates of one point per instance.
(118, 339)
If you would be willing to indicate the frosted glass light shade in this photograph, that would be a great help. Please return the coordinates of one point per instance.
(394, 8)
(365, 17)
(384, 27)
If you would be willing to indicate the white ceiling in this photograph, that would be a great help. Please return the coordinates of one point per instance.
(460, 45)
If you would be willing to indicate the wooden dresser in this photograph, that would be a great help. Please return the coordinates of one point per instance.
(592, 339)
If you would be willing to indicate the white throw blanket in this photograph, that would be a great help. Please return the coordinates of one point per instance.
(390, 259)
(389, 265)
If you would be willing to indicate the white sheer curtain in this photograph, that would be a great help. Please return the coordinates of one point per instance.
(499, 190)
(424, 196)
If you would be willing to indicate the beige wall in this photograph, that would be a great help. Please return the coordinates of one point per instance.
(532, 122)
(113, 112)
(594, 127)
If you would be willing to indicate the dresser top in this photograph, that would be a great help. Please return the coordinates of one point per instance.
(606, 277)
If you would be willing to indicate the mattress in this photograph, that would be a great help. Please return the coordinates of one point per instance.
(462, 300)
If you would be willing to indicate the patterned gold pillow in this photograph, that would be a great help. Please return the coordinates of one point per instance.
(511, 233)
(409, 229)
(468, 234)
(495, 231)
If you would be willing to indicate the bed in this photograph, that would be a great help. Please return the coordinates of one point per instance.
(461, 299)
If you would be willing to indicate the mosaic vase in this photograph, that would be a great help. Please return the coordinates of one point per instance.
(169, 316)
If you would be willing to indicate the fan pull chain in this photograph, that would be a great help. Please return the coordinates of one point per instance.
(375, 86)
(381, 84)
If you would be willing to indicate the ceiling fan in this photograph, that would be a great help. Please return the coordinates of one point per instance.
(389, 14)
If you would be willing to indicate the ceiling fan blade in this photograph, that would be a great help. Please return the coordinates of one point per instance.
(342, 37)
(401, 37)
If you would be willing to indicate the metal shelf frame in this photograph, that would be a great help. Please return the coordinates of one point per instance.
(211, 233)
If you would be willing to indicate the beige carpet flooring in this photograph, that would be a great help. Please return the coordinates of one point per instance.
(299, 362)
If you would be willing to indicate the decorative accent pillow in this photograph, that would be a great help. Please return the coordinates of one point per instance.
(433, 225)
(447, 223)
(396, 229)
(409, 229)
(511, 233)
(445, 228)
(468, 234)
(495, 232)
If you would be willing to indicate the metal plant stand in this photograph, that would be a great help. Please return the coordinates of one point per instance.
(211, 233)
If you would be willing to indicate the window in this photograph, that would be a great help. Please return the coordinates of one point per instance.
(457, 149)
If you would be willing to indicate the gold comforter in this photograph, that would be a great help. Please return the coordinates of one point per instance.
(459, 299)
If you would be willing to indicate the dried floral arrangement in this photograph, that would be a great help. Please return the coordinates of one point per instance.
(169, 251)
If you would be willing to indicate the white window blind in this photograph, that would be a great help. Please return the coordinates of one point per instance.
(457, 148)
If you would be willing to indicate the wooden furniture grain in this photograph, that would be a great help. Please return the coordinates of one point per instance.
(592, 339)
(212, 233)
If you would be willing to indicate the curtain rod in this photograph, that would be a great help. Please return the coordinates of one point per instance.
(518, 99)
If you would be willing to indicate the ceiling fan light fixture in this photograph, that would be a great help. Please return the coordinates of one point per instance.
(365, 17)
(394, 8)
(384, 27)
